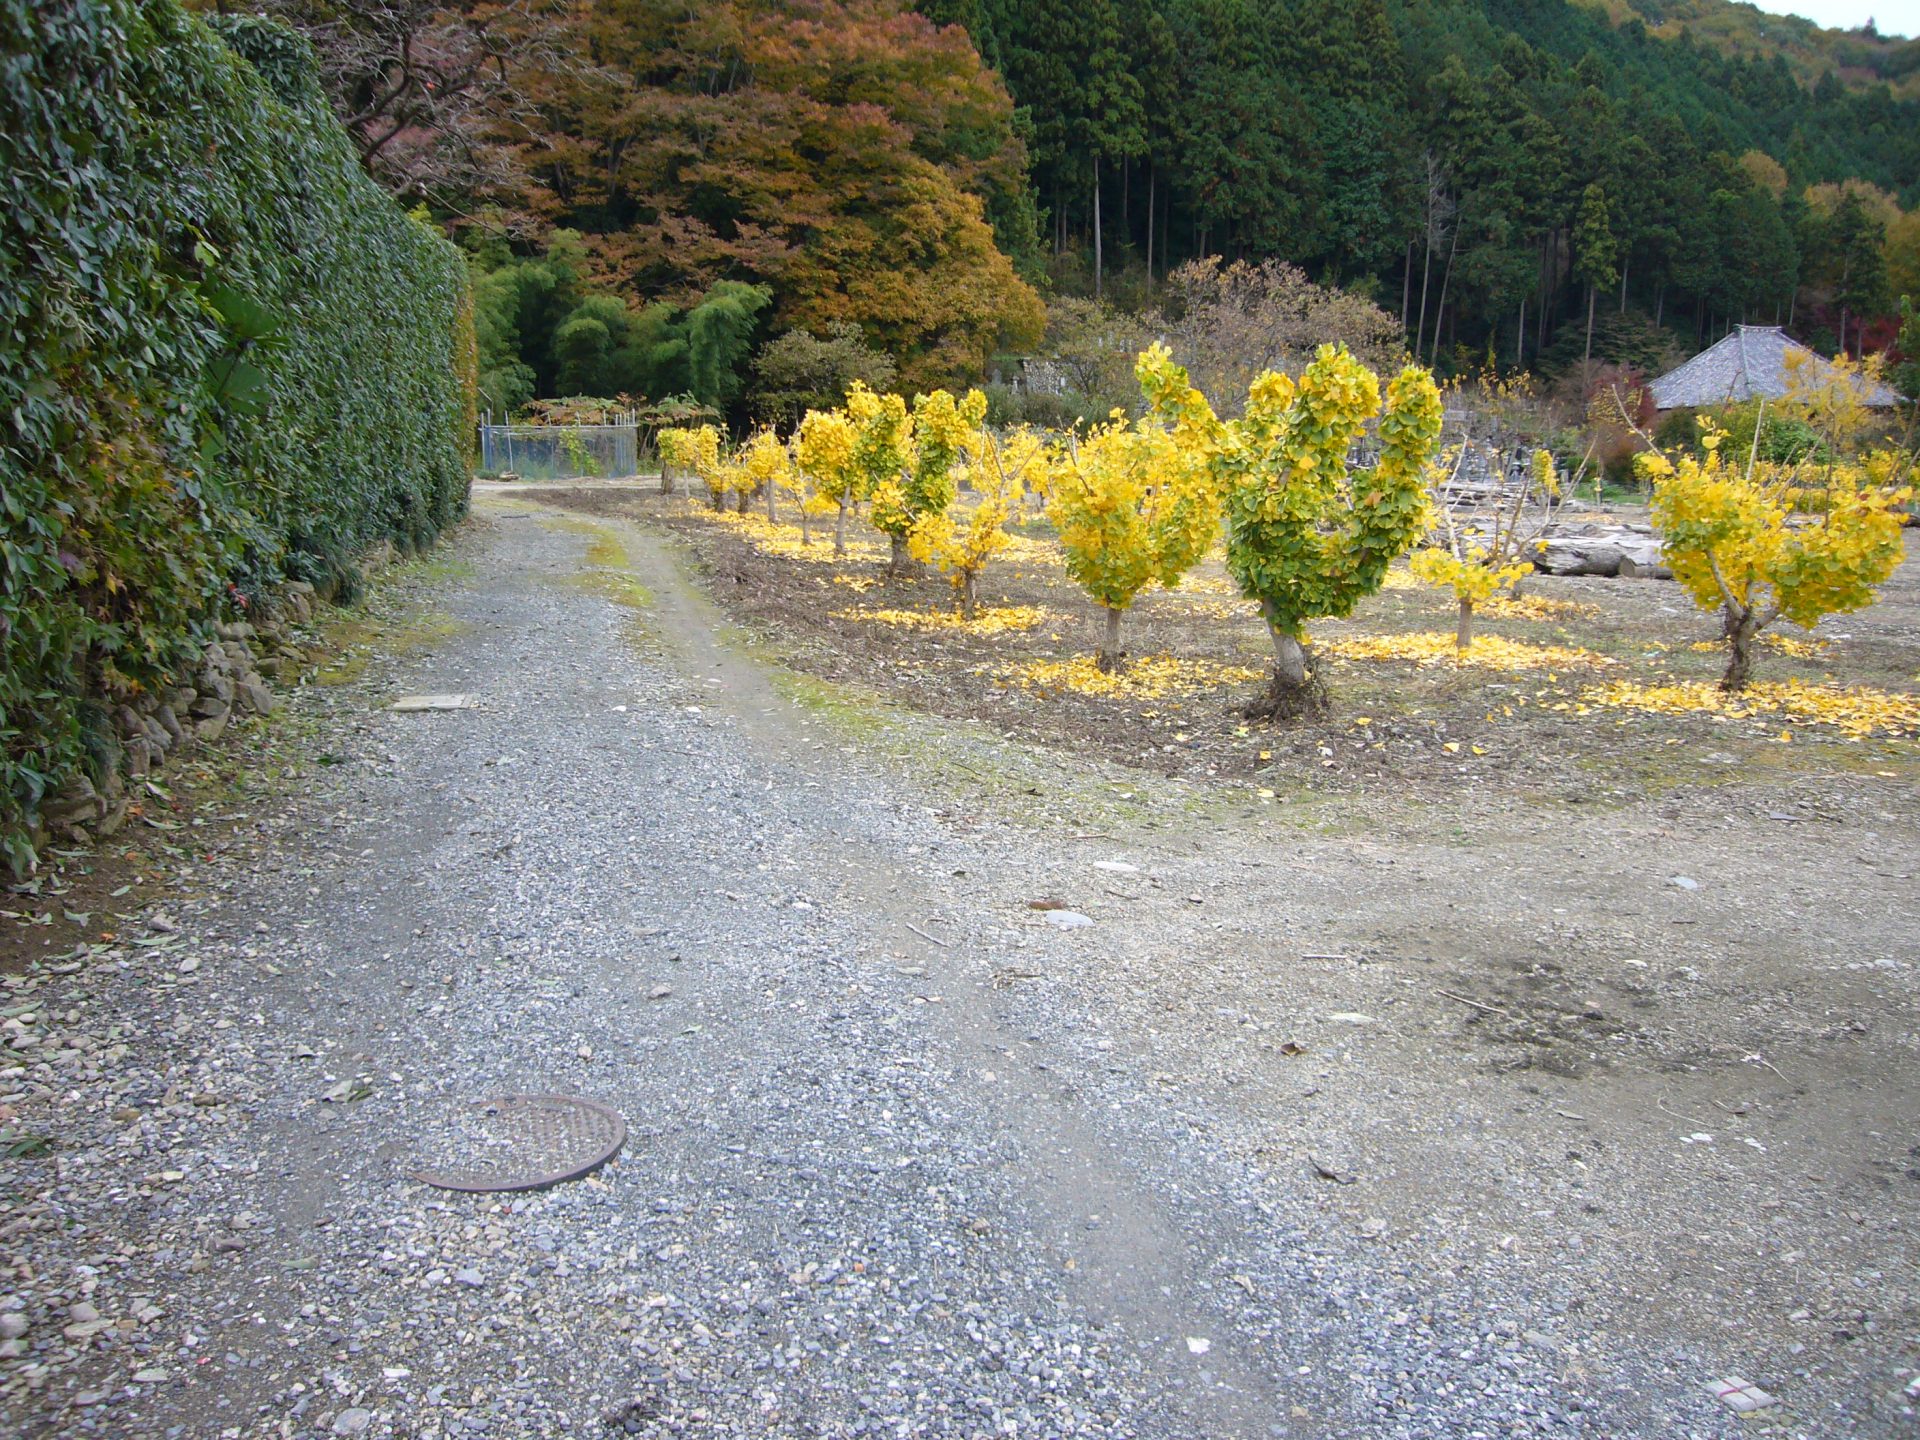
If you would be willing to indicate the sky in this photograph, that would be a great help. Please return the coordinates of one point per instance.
(1894, 17)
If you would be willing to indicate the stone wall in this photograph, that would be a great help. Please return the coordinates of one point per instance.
(229, 681)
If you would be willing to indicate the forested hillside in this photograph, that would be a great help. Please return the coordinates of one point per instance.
(1506, 152)
(1860, 57)
(652, 191)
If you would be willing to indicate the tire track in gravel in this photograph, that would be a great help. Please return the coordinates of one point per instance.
(1136, 1268)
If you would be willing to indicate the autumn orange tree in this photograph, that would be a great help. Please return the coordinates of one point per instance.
(858, 159)
(1730, 532)
(1307, 536)
(1133, 505)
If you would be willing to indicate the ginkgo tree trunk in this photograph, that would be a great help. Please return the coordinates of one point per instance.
(1307, 537)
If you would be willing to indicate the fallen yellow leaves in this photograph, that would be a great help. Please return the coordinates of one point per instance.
(1489, 652)
(859, 584)
(1191, 584)
(987, 620)
(1534, 607)
(1025, 550)
(772, 538)
(1152, 677)
(1857, 711)
(1785, 644)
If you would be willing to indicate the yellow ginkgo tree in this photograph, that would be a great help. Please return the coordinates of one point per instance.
(696, 449)
(1308, 536)
(823, 450)
(1133, 505)
(1477, 556)
(999, 472)
(761, 467)
(1730, 532)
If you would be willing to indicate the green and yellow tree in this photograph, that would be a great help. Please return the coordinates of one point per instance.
(882, 449)
(1133, 504)
(929, 446)
(1731, 534)
(1308, 537)
(999, 473)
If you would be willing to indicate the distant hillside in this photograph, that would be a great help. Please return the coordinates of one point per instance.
(1857, 58)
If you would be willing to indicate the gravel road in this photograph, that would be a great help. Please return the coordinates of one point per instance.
(905, 1157)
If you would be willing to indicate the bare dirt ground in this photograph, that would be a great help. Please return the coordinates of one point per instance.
(1643, 986)
(1435, 1093)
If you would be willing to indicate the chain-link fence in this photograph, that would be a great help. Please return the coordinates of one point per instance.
(560, 452)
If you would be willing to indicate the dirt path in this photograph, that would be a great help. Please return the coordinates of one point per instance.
(1454, 1125)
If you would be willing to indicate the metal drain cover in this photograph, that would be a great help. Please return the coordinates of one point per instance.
(526, 1142)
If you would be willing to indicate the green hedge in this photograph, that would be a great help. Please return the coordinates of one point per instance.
(226, 358)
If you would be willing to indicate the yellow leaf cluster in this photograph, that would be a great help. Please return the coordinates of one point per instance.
(1726, 531)
(1133, 504)
(1152, 677)
(1472, 576)
(695, 449)
(823, 451)
(1490, 652)
(1856, 711)
(960, 545)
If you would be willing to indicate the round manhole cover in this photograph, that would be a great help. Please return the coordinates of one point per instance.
(524, 1142)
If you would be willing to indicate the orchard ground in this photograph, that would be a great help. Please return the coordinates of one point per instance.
(1570, 704)
(1521, 1063)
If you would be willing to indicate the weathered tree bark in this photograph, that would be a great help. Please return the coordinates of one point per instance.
(806, 527)
(840, 532)
(969, 595)
(771, 516)
(740, 504)
(901, 562)
(1289, 658)
(1109, 657)
(718, 498)
(1098, 258)
(1463, 632)
(1296, 690)
(1446, 279)
(1150, 202)
(666, 478)
(1740, 627)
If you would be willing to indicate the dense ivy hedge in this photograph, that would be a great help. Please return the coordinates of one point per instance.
(226, 358)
